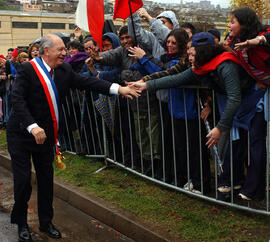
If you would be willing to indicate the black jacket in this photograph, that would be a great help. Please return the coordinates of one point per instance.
(29, 103)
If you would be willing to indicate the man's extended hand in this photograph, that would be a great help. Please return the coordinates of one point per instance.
(129, 92)
(39, 135)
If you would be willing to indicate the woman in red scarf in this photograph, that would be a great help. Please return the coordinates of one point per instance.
(251, 44)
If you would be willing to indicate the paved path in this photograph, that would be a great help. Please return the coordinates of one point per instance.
(8, 232)
(75, 225)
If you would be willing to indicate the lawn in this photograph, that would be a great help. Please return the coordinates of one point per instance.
(179, 215)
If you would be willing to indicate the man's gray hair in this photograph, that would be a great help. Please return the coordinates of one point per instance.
(46, 41)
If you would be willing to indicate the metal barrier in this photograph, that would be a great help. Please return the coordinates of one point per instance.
(137, 140)
(155, 145)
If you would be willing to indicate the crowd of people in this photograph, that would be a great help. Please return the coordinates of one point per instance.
(162, 133)
(158, 133)
(239, 72)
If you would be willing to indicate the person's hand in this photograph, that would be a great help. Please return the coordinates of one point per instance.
(89, 61)
(205, 112)
(129, 92)
(214, 136)
(78, 33)
(247, 44)
(39, 135)
(90, 64)
(139, 85)
(95, 54)
(131, 83)
(144, 14)
(226, 46)
(136, 52)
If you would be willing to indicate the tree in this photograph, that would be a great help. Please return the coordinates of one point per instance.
(3, 4)
(259, 6)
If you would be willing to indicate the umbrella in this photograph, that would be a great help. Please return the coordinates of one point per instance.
(63, 36)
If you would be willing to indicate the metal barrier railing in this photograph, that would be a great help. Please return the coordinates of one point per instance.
(156, 145)
(134, 139)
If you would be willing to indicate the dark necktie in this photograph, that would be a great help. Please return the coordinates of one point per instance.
(51, 72)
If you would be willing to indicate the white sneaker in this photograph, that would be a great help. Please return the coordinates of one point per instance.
(244, 197)
(188, 186)
(228, 189)
(237, 187)
(224, 189)
(196, 191)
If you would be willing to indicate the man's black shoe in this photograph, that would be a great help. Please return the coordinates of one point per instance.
(51, 231)
(24, 233)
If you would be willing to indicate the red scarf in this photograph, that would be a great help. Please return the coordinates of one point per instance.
(215, 62)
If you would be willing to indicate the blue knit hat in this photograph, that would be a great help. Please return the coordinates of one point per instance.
(202, 38)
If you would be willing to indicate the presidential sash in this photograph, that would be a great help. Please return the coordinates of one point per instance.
(52, 96)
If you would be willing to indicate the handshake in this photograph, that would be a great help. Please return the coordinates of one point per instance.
(132, 89)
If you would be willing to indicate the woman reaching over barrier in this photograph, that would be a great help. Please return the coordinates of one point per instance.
(250, 41)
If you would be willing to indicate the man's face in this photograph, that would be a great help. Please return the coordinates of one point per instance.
(167, 23)
(106, 45)
(55, 55)
(88, 46)
(126, 41)
(9, 54)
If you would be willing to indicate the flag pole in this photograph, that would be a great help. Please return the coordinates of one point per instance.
(132, 22)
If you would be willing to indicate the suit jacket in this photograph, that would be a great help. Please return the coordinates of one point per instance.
(29, 103)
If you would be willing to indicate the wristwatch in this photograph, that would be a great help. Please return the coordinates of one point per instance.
(262, 39)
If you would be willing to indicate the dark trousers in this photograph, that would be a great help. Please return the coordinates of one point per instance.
(195, 173)
(126, 135)
(21, 152)
(254, 185)
(239, 152)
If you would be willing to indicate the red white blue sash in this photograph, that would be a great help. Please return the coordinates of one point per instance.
(51, 93)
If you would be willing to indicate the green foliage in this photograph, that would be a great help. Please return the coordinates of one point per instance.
(3, 140)
(3, 5)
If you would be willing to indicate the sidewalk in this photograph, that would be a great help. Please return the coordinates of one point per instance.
(74, 214)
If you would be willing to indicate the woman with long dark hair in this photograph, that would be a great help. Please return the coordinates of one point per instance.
(250, 43)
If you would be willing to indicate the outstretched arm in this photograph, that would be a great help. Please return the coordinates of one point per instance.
(179, 67)
(178, 80)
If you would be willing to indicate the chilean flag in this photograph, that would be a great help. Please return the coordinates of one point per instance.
(121, 8)
(90, 17)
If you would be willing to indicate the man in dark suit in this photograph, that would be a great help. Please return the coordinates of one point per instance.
(30, 131)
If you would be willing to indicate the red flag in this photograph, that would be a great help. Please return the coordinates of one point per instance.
(90, 17)
(121, 8)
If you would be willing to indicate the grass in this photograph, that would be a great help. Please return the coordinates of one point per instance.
(3, 142)
(181, 216)
(184, 218)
